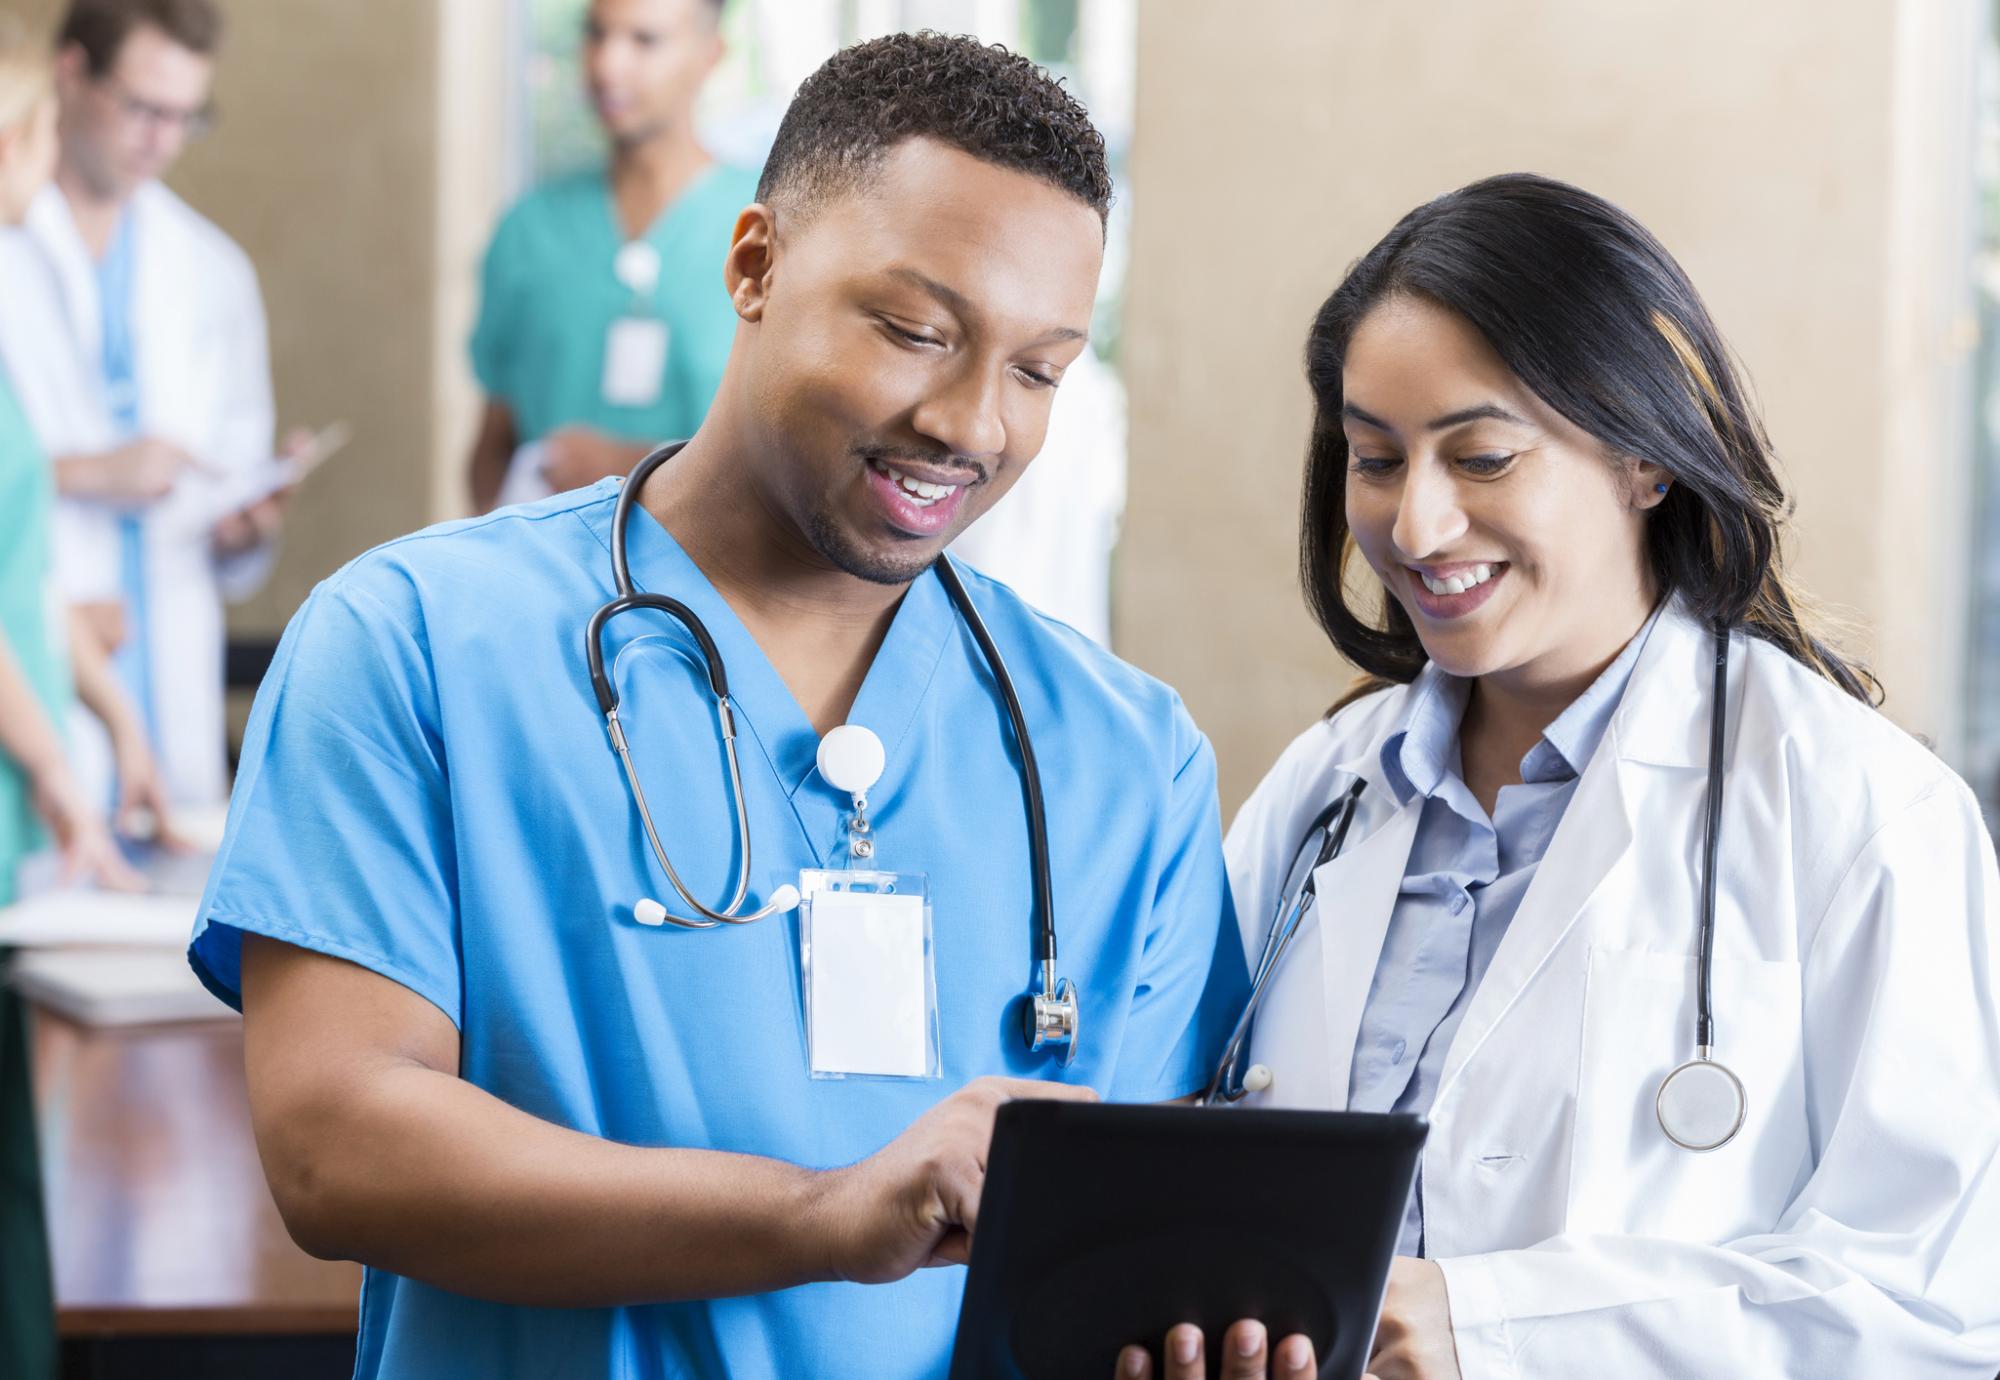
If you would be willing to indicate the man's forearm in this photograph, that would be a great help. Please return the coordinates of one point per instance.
(423, 1174)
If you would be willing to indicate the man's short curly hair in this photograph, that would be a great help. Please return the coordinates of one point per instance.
(995, 105)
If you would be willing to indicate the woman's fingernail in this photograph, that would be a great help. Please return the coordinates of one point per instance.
(1187, 1346)
(1249, 1341)
(1133, 1362)
(1296, 1353)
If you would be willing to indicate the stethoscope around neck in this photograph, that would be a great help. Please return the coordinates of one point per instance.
(1700, 1105)
(1051, 1017)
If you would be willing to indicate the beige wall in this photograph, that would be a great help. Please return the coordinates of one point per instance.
(1765, 144)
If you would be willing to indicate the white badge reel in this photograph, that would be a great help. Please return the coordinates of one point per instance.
(635, 347)
(865, 942)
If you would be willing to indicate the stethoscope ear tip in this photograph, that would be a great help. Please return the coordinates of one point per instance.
(785, 898)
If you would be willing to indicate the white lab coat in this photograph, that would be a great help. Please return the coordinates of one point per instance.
(202, 361)
(1853, 1228)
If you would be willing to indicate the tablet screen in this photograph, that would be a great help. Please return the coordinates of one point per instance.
(1102, 1226)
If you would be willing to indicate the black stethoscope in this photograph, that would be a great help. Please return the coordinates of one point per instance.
(1051, 1019)
(1701, 1104)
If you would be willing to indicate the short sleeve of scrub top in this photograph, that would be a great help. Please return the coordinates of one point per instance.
(426, 791)
(549, 296)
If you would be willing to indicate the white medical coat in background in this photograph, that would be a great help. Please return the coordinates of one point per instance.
(203, 370)
(1852, 1229)
(1050, 537)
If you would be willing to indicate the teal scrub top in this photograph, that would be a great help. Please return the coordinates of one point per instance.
(550, 296)
(27, 611)
(427, 790)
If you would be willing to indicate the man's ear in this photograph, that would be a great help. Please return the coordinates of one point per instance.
(753, 252)
(72, 66)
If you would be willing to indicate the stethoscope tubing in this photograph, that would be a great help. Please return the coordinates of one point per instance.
(627, 596)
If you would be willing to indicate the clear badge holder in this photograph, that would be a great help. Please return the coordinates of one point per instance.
(868, 967)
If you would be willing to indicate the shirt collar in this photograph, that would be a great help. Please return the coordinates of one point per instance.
(1421, 752)
(1568, 744)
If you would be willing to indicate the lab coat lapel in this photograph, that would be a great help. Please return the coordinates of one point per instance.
(1356, 896)
(54, 232)
(163, 306)
(1595, 833)
(1660, 723)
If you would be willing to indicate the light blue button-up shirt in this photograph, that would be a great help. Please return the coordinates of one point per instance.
(1465, 879)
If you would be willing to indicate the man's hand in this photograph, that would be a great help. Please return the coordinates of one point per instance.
(915, 1202)
(250, 527)
(142, 812)
(575, 456)
(135, 474)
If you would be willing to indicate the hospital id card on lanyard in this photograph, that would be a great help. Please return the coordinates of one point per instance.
(635, 346)
(869, 974)
(866, 959)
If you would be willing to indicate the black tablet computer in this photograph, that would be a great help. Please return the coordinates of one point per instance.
(1101, 1226)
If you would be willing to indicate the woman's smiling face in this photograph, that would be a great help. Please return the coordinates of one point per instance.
(1511, 538)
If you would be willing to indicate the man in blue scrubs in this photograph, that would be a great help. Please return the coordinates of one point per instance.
(566, 1143)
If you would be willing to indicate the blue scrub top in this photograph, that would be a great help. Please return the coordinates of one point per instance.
(427, 790)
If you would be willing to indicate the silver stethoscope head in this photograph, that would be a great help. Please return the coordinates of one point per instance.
(1701, 1105)
(1054, 1019)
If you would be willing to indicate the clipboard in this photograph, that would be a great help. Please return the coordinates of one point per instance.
(1102, 1226)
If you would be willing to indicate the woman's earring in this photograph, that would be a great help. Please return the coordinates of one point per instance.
(1659, 488)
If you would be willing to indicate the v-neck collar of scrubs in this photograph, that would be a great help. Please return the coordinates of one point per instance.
(890, 694)
(689, 195)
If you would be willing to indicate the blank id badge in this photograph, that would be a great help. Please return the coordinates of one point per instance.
(870, 979)
(635, 361)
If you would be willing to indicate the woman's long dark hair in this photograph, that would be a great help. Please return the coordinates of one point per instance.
(1587, 309)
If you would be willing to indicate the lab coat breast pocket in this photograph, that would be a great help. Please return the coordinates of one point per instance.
(1639, 1014)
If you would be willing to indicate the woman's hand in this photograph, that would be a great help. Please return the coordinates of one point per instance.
(88, 852)
(1247, 1354)
(1413, 1340)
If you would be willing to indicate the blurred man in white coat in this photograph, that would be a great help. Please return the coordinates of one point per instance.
(135, 333)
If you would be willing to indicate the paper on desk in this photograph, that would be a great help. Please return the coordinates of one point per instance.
(78, 918)
(115, 986)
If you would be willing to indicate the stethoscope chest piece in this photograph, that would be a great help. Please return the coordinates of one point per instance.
(1701, 1105)
(1054, 1021)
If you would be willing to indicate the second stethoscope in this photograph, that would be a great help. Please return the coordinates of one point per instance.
(1052, 1019)
(1700, 1105)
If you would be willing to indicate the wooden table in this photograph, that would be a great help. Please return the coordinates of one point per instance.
(160, 1222)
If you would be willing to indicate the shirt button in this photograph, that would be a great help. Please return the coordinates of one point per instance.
(1458, 903)
(1396, 1054)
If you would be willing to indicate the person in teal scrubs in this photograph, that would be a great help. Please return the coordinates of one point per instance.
(38, 792)
(566, 1141)
(603, 323)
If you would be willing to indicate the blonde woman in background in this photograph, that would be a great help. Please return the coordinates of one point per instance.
(38, 791)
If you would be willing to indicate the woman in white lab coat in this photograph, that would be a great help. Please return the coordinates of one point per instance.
(1532, 438)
